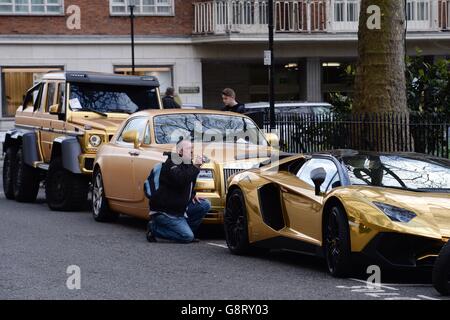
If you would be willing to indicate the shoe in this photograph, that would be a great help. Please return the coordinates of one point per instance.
(195, 240)
(150, 236)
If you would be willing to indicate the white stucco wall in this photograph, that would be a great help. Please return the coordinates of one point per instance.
(103, 56)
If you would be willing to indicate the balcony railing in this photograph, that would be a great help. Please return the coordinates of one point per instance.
(444, 15)
(306, 16)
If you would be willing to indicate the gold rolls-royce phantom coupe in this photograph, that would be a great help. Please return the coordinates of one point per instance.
(232, 142)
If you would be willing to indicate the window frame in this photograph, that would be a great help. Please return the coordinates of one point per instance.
(55, 92)
(29, 95)
(31, 13)
(343, 175)
(342, 10)
(126, 144)
(148, 129)
(140, 14)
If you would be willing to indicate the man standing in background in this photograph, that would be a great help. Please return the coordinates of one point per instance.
(169, 99)
(230, 102)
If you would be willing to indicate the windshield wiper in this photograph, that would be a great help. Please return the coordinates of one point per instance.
(95, 111)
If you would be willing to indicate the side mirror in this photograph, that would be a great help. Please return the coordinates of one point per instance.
(273, 139)
(318, 176)
(131, 136)
(54, 109)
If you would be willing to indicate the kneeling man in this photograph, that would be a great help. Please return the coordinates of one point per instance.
(176, 211)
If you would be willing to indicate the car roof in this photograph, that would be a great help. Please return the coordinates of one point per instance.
(102, 78)
(158, 112)
(291, 104)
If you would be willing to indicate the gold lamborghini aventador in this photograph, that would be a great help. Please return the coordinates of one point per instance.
(346, 206)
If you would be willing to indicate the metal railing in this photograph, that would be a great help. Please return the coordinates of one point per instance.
(378, 132)
(300, 16)
(250, 16)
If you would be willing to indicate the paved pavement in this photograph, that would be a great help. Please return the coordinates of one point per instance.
(38, 245)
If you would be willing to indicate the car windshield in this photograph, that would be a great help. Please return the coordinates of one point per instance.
(424, 174)
(103, 98)
(211, 127)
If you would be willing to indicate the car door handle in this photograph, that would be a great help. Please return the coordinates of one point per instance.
(134, 153)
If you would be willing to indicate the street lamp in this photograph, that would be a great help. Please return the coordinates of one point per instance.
(271, 69)
(131, 5)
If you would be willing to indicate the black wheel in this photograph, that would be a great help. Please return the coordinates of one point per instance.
(8, 172)
(100, 208)
(236, 226)
(337, 243)
(64, 190)
(441, 271)
(25, 180)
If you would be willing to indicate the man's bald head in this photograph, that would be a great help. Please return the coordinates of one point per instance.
(183, 145)
(184, 150)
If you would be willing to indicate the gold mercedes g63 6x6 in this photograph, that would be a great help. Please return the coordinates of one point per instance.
(64, 119)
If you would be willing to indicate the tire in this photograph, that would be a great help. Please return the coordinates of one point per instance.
(337, 247)
(64, 190)
(8, 172)
(236, 226)
(100, 209)
(25, 180)
(441, 271)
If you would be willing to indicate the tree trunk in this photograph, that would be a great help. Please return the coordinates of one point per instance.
(380, 84)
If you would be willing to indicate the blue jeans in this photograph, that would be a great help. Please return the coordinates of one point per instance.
(180, 229)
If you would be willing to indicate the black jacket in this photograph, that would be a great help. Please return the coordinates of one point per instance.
(176, 188)
(170, 103)
(239, 108)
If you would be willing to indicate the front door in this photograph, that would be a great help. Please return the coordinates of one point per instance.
(302, 205)
(51, 126)
(117, 167)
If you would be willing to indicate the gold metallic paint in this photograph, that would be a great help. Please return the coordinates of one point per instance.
(303, 211)
(124, 176)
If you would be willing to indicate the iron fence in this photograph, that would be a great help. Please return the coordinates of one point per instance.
(378, 132)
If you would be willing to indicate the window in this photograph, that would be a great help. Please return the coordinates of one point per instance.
(169, 129)
(147, 135)
(304, 173)
(98, 97)
(138, 124)
(40, 7)
(61, 95)
(162, 73)
(51, 90)
(32, 97)
(15, 84)
(391, 171)
(142, 7)
(346, 11)
(417, 10)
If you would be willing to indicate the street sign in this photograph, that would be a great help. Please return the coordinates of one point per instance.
(267, 57)
(188, 90)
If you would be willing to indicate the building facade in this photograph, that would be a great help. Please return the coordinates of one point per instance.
(198, 47)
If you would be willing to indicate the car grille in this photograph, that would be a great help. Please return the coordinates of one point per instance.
(228, 173)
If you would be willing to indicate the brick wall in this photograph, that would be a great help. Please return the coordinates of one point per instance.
(96, 20)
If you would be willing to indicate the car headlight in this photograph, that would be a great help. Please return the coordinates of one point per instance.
(205, 174)
(95, 140)
(395, 213)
